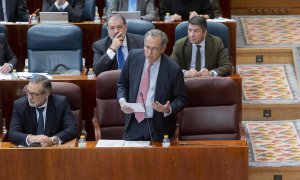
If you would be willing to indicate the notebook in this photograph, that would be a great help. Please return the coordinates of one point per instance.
(129, 14)
(53, 17)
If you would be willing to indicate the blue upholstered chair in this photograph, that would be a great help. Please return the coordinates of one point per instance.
(89, 10)
(52, 44)
(213, 28)
(3, 30)
(135, 26)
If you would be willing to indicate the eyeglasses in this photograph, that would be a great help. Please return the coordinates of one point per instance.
(32, 94)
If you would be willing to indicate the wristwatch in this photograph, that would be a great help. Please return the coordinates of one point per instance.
(55, 140)
(213, 73)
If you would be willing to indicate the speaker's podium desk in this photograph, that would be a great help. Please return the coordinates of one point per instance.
(207, 160)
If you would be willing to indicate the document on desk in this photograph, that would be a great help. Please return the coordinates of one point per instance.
(121, 143)
(137, 107)
(5, 76)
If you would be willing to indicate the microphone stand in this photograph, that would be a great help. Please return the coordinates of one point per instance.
(146, 117)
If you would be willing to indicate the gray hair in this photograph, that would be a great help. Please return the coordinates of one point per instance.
(47, 87)
(158, 33)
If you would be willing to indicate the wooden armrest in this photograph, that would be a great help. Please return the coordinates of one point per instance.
(96, 127)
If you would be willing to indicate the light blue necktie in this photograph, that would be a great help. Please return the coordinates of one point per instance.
(40, 126)
(120, 58)
(132, 5)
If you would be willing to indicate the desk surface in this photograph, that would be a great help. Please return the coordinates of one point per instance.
(209, 160)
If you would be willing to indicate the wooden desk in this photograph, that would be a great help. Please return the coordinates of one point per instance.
(17, 38)
(213, 160)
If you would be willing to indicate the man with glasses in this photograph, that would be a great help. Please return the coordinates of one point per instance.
(40, 118)
(151, 78)
(111, 52)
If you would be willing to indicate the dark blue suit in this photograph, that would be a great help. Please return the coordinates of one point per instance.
(16, 11)
(6, 54)
(169, 87)
(59, 120)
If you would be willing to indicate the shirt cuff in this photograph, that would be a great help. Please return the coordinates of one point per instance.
(167, 114)
(122, 100)
(111, 54)
(28, 144)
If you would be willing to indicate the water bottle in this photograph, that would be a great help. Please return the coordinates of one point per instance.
(168, 18)
(82, 142)
(34, 19)
(166, 141)
(91, 74)
(14, 74)
(97, 18)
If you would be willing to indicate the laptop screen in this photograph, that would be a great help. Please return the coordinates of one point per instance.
(129, 14)
(53, 17)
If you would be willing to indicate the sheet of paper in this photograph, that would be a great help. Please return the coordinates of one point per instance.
(28, 75)
(137, 107)
(5, 76)
(137, 144)
(110, 143)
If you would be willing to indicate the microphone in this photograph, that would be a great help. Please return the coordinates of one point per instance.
(146, 117)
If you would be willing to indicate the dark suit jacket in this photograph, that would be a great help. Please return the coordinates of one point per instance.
(6, 54)
(75, 9)
(16, 11)
(169, 87)
(145, 6)
(59, 120)
(102, 62)
(216, 57)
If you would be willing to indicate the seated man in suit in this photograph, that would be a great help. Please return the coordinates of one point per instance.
(201, 54)
(74, 8)
(183, 10)
(145, 6)
(13, 10)
(40, 117)
(151, 78)
(111, 52)
(7, 58)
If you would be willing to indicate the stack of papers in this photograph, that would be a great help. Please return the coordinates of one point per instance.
(121, 143)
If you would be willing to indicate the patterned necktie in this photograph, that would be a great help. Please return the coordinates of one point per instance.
(132, 5)
(143, 91)
(198, 58)
(40, 126)
(1, 11)
(121, 60)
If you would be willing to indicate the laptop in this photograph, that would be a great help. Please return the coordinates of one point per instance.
(53, 17)
(129, 14)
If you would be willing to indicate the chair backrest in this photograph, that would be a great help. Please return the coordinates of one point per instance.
(108, 111)
(213, 109)
(53, 44)
(89, 10)
(3, 30)
(213, 28)
(74, 96)
(135, 26)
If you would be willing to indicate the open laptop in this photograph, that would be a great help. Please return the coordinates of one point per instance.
(53, 17)
(129, 14)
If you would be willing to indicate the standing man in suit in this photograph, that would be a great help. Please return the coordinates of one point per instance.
(42, 118)
(74, 8)
(13, 10)
(110, 52)
(201, 54)
(151, 78)
(145, 6)
(7, 58)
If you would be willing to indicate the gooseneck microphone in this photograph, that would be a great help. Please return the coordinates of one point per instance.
(146, 117)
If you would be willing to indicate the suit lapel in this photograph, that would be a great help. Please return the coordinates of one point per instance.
(162, 78)
(208, 47)
(30, 114)
(50, 115)
(137, 78)
(187, 54)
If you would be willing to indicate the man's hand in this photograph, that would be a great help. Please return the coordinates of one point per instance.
(204, 72)
(126, 109)
(161, 108)
(175, 17)
(192, 73)
(44, 140)
(6, 68)
(117, 41)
